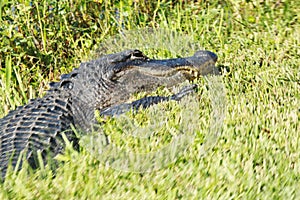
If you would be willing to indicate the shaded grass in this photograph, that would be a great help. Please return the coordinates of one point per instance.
(257, 153)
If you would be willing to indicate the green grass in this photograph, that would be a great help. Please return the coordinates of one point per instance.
(256, 156)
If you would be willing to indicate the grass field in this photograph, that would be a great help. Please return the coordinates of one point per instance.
(257, 152)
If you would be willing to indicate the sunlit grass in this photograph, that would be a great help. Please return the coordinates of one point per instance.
(256, 156)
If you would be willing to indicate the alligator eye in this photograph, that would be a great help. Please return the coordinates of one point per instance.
(66, 85)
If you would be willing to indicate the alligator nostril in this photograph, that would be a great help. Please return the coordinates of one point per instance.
(213, 55)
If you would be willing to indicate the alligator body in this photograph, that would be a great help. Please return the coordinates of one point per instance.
(104, 84)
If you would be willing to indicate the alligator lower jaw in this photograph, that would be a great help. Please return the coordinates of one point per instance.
(187, 71)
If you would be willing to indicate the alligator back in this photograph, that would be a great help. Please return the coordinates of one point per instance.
(35, 126)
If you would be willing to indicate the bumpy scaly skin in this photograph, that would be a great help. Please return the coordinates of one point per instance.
(35, 126)
(104, 84)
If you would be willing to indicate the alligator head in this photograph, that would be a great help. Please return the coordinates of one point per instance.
(111, 79)
(131, 71)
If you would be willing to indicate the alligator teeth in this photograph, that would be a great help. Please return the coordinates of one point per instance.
(193, 73)
(196, 73)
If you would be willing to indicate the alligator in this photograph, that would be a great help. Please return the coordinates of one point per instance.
(104, 84)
